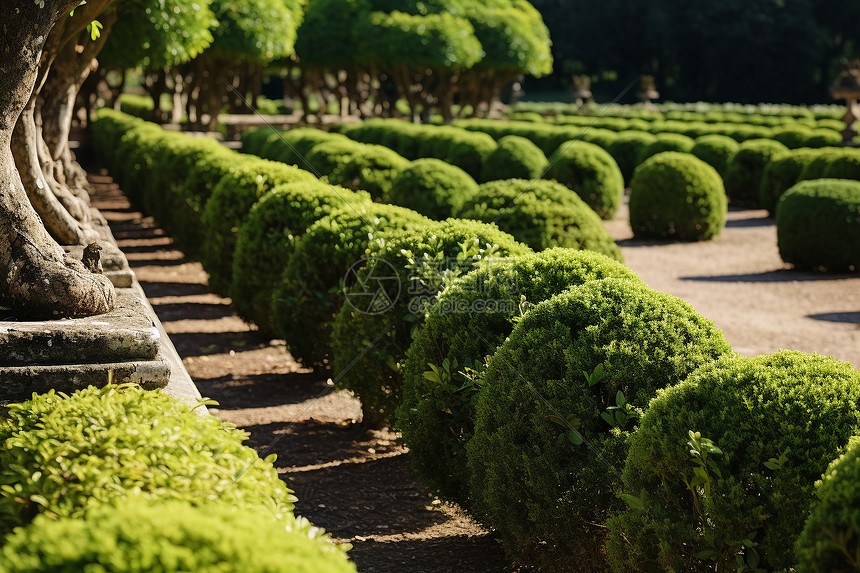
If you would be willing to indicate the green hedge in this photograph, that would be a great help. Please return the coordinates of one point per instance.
(514, 158)
(549, 487)
(626, 149)
(308, 295)
(371, 168)
(287, 146)
(541, 214)
(716, 151)
(369, 348)
(433, 188)
(666, 142)
(679, 196)
(818, 225)
(776, 420)
(469, 321)
(781, 174)
(746, 169)
(591, 173)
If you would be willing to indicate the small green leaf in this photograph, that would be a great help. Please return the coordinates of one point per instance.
(619, 399)
(574, 437)
(608, 418)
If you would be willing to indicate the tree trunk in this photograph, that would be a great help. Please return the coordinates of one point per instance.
(37, 279)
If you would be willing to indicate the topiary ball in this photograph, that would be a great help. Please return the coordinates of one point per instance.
(746, 169)
(818, 225)
(591, 172)
(514, 158)
(557, 403)
(469, 321)
(432, 188)
(781, 174)
(541, 214)
(133, 535)
(676, 195)
(468, 150)
(357, 166)
(666, 142)
(307, 296)
(845, 166)
(792, 136)
(777, 421)
(716, 151)
(626, 148)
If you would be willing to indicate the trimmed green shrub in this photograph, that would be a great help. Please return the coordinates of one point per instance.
(792, 136)
(781, 174)
(541, 214)
(63, 454)
(818, 225)
(267, 239)
(666, 142)
(590, 356)
(591, 172)
(134, 159)
(626, 148)
(469, 321)
(746, 168)
(107, 130)
(467, 150)
(514, 158)
(371, 168)
(720, 473)
(137, 536)
(370, 340)
(293, 146)
(829, 541)
(845, 166)
(716, 151)
(823, 137)
(432, 187)
(818, 166)
(677, 195)
(309, 293)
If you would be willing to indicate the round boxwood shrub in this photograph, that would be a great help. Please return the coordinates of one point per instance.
(541, 214)
(715, 150)
(666, 142)
(373, 329)
(306, 297)
(137, 536)
(781, 174)
(469, 321)
(432, 187)
(367, 167)
(830, 539)
(776, 421)
(746, 168)
(823, 137)
(293, 146)
(544, 460)
(677, 195)
(792, 136)
(591, 172)
(62, 454)
(844, 166)
(626, 148)
(818, 225)
(266, 241)
(514, 158)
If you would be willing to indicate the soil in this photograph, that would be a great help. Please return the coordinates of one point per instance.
(353, 480)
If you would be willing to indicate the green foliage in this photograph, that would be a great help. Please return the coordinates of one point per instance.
(60, 455)
(326, 37)
(716, 151)
(433, 188)
(309, 294)
(781, 174)
(539, 488)
(369, 348)
(138, 536)
(293, 146)
(513, 37)
(266, 241)
(777, 420)
(469, 321)
(468, 150)
(591, 172)
(845, 166)
(792, 136)
(829, 541)
(626, 149)
(666, 142)
(541, 214)
(514, 158)
(818, 225)
(357, 166)
(255, 30)
(816, 168)
(746, 169)
(679, 196)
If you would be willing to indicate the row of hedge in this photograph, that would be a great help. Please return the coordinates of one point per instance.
(127, 480)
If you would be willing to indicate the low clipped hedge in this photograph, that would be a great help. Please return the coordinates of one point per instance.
(818, 225)
(716, 151)
(468, 150)
(677, 195)
(591, 172)
(626, 149)
(308, 294)
(267, 239)
(543, 458)
(432, 187)
(666, 142)
(60, 455)
(830, 540)
(469, 321)
(138, 536)
(781, 174)
(776, 420)
(541, 214)
(818, 167)
(792, 136)
(369, 342)
(845, 166)
(746, 169)
(514, 158)
(287, 146)
(371, 168)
